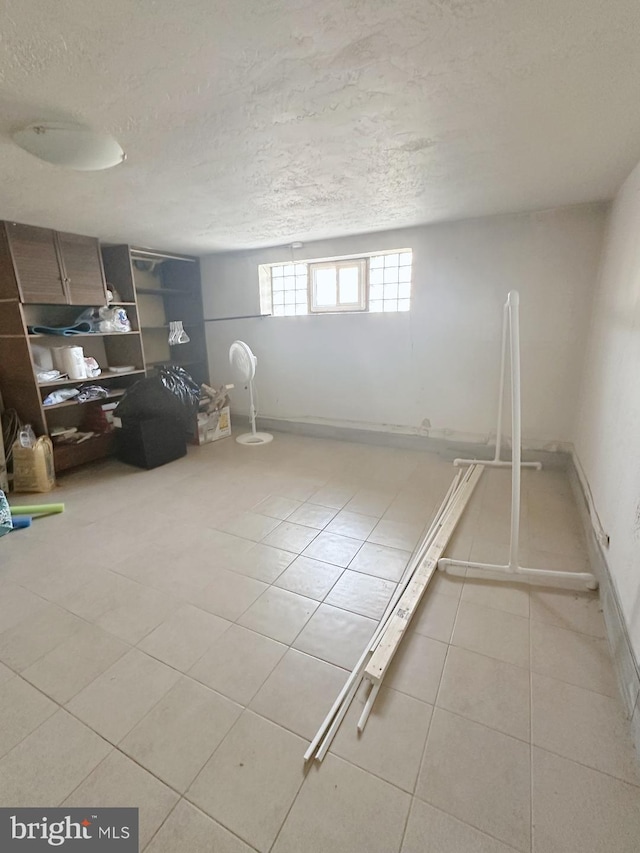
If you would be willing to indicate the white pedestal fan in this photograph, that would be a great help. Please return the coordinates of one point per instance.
(244, 362)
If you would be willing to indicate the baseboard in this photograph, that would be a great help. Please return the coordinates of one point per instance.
(447, 448)
(627, 669)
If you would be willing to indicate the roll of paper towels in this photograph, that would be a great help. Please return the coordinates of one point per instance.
(58, 361)
(73, 361)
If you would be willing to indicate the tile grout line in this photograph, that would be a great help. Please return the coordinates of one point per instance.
(116, 746)
(306, 772)
(449, 645)
(183, 799)
(186, 674)
(166, 818)
(426, 740)
(471, 826)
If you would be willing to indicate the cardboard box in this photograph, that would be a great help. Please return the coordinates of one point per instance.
(213, 426)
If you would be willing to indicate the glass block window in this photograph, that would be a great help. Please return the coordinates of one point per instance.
(289, 289)
(390, 282)
(379, 283)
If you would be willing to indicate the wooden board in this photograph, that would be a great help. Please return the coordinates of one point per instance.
(17, 380)
(406, 606)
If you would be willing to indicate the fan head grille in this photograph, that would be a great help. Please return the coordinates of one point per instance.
(242, 360)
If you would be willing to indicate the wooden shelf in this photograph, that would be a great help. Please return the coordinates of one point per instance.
(84, 335)
(84, 305)
(106, 374)
(112, 395)
(164, 291)
(70, 455)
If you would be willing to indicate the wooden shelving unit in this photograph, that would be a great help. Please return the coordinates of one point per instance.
(104, 376)
(67, 339)
(48, 279)
(166, 288)
(71, 455)
(112, 395)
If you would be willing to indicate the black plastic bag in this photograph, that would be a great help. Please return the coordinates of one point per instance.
(172, 393)
(181, 384)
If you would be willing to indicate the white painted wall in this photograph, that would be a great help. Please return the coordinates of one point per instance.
(440, 361)
(607, 438)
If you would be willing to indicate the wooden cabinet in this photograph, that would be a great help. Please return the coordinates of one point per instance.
(82, 265)
(36, 264)
(49, 268)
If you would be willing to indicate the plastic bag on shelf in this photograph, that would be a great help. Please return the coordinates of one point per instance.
(92, 367)
(114, 320)
(59, 396)
(106, 319)
(48, 375)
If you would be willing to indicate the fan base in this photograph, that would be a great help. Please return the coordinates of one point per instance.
(254, 438)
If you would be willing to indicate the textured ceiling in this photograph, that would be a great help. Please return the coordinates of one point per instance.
(261, 122)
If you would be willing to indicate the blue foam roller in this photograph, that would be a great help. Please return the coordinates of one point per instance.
(21, 521)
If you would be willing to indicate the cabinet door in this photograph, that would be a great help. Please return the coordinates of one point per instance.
(35, 260)
(83, 271)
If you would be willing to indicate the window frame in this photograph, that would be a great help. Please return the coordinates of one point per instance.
(282, 295)
(348, 308)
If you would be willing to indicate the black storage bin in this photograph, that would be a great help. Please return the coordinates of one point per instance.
(150, 443)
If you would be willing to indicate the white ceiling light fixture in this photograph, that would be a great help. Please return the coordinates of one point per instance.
(74, 146)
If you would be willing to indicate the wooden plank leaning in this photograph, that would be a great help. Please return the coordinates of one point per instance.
(347, 692)
(399, 620)
(329, 727)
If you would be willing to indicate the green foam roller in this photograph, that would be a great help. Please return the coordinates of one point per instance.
(37, 509)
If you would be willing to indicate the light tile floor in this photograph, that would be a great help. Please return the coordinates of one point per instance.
(174, 639)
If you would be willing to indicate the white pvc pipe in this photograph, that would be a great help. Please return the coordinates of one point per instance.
(513, 303)
(356, 673)
(513, 570)
(542, 577)
(491, 463)
(497, 462)
(371, 698)
(252, 408)
(503, 354)
(337, 720)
